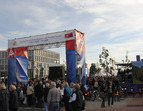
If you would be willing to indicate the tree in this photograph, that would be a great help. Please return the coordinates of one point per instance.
(103, 59)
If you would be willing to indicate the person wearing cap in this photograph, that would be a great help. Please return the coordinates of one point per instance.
(54, 97)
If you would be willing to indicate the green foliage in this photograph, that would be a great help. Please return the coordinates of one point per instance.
(103, 58)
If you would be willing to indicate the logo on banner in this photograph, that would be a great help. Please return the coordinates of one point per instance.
(11, 53)
(14, 43)
(69, 35)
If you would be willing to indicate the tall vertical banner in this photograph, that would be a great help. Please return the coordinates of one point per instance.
(71, 59)
(11, 66)
(80, 49)
(22, 64)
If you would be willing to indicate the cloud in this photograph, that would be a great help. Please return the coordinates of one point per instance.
(115, 24)
(120, 17)
(1, 36)
(16, 34)
(117, 51)
(31, 14)
(28, 22)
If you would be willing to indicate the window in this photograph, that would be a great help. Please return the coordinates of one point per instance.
(6, 67)
(43, 65)
(2, 61)
(39, 58)
(6, 55)
(1, 67)
(47, 66)
(32, 58)
(2, 54)
(29, 52)
(32, 52)
(36, 59)
(36, 65)
(6, 61)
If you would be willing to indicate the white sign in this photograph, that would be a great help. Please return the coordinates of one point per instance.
(42, 39)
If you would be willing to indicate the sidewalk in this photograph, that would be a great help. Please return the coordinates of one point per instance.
(128, 104)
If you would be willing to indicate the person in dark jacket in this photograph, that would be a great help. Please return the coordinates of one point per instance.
(13, 99)
(102, 95)
(39, 94)
(67, 94)
(4, 98)
(111, 89)
(46, 91)
(77, 99)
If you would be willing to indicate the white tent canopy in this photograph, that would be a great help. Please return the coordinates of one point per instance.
(103, 73)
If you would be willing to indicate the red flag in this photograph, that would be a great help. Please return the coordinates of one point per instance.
(22, 51)
(11, 53)
(69, 35)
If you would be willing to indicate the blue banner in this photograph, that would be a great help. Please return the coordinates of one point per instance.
(71, 66)
(11, 71)
(11, 66)
(22, 64)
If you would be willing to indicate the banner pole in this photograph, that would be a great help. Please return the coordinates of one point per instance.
(15, 63)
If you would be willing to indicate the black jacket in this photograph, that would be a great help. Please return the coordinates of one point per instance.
(79, 100)
(39, 91)
(46, 91)
(4, 100)
(113, 87)
(13, 100)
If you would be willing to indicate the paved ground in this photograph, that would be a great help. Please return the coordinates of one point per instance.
(128, 104)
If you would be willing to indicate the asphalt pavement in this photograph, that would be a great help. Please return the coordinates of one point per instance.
(128, 104)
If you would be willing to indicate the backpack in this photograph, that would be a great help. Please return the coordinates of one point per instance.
(68, 91)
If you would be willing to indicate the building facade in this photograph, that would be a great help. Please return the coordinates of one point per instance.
(38, 62)
(3, 63)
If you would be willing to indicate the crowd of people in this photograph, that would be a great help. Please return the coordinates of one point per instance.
(106, 87)
(51, 95)
(55, 95)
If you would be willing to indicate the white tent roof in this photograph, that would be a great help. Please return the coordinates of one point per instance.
(103, 73)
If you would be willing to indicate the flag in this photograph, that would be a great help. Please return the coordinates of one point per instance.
(11, 66)
(11, 53)
(69, 35)
(22, 64)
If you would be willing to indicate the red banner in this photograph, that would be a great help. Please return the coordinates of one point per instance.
(11, 53)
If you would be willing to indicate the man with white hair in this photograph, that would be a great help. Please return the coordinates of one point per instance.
(4, 100)
(54, 97)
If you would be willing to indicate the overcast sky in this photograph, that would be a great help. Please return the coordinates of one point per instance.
(116, 25)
